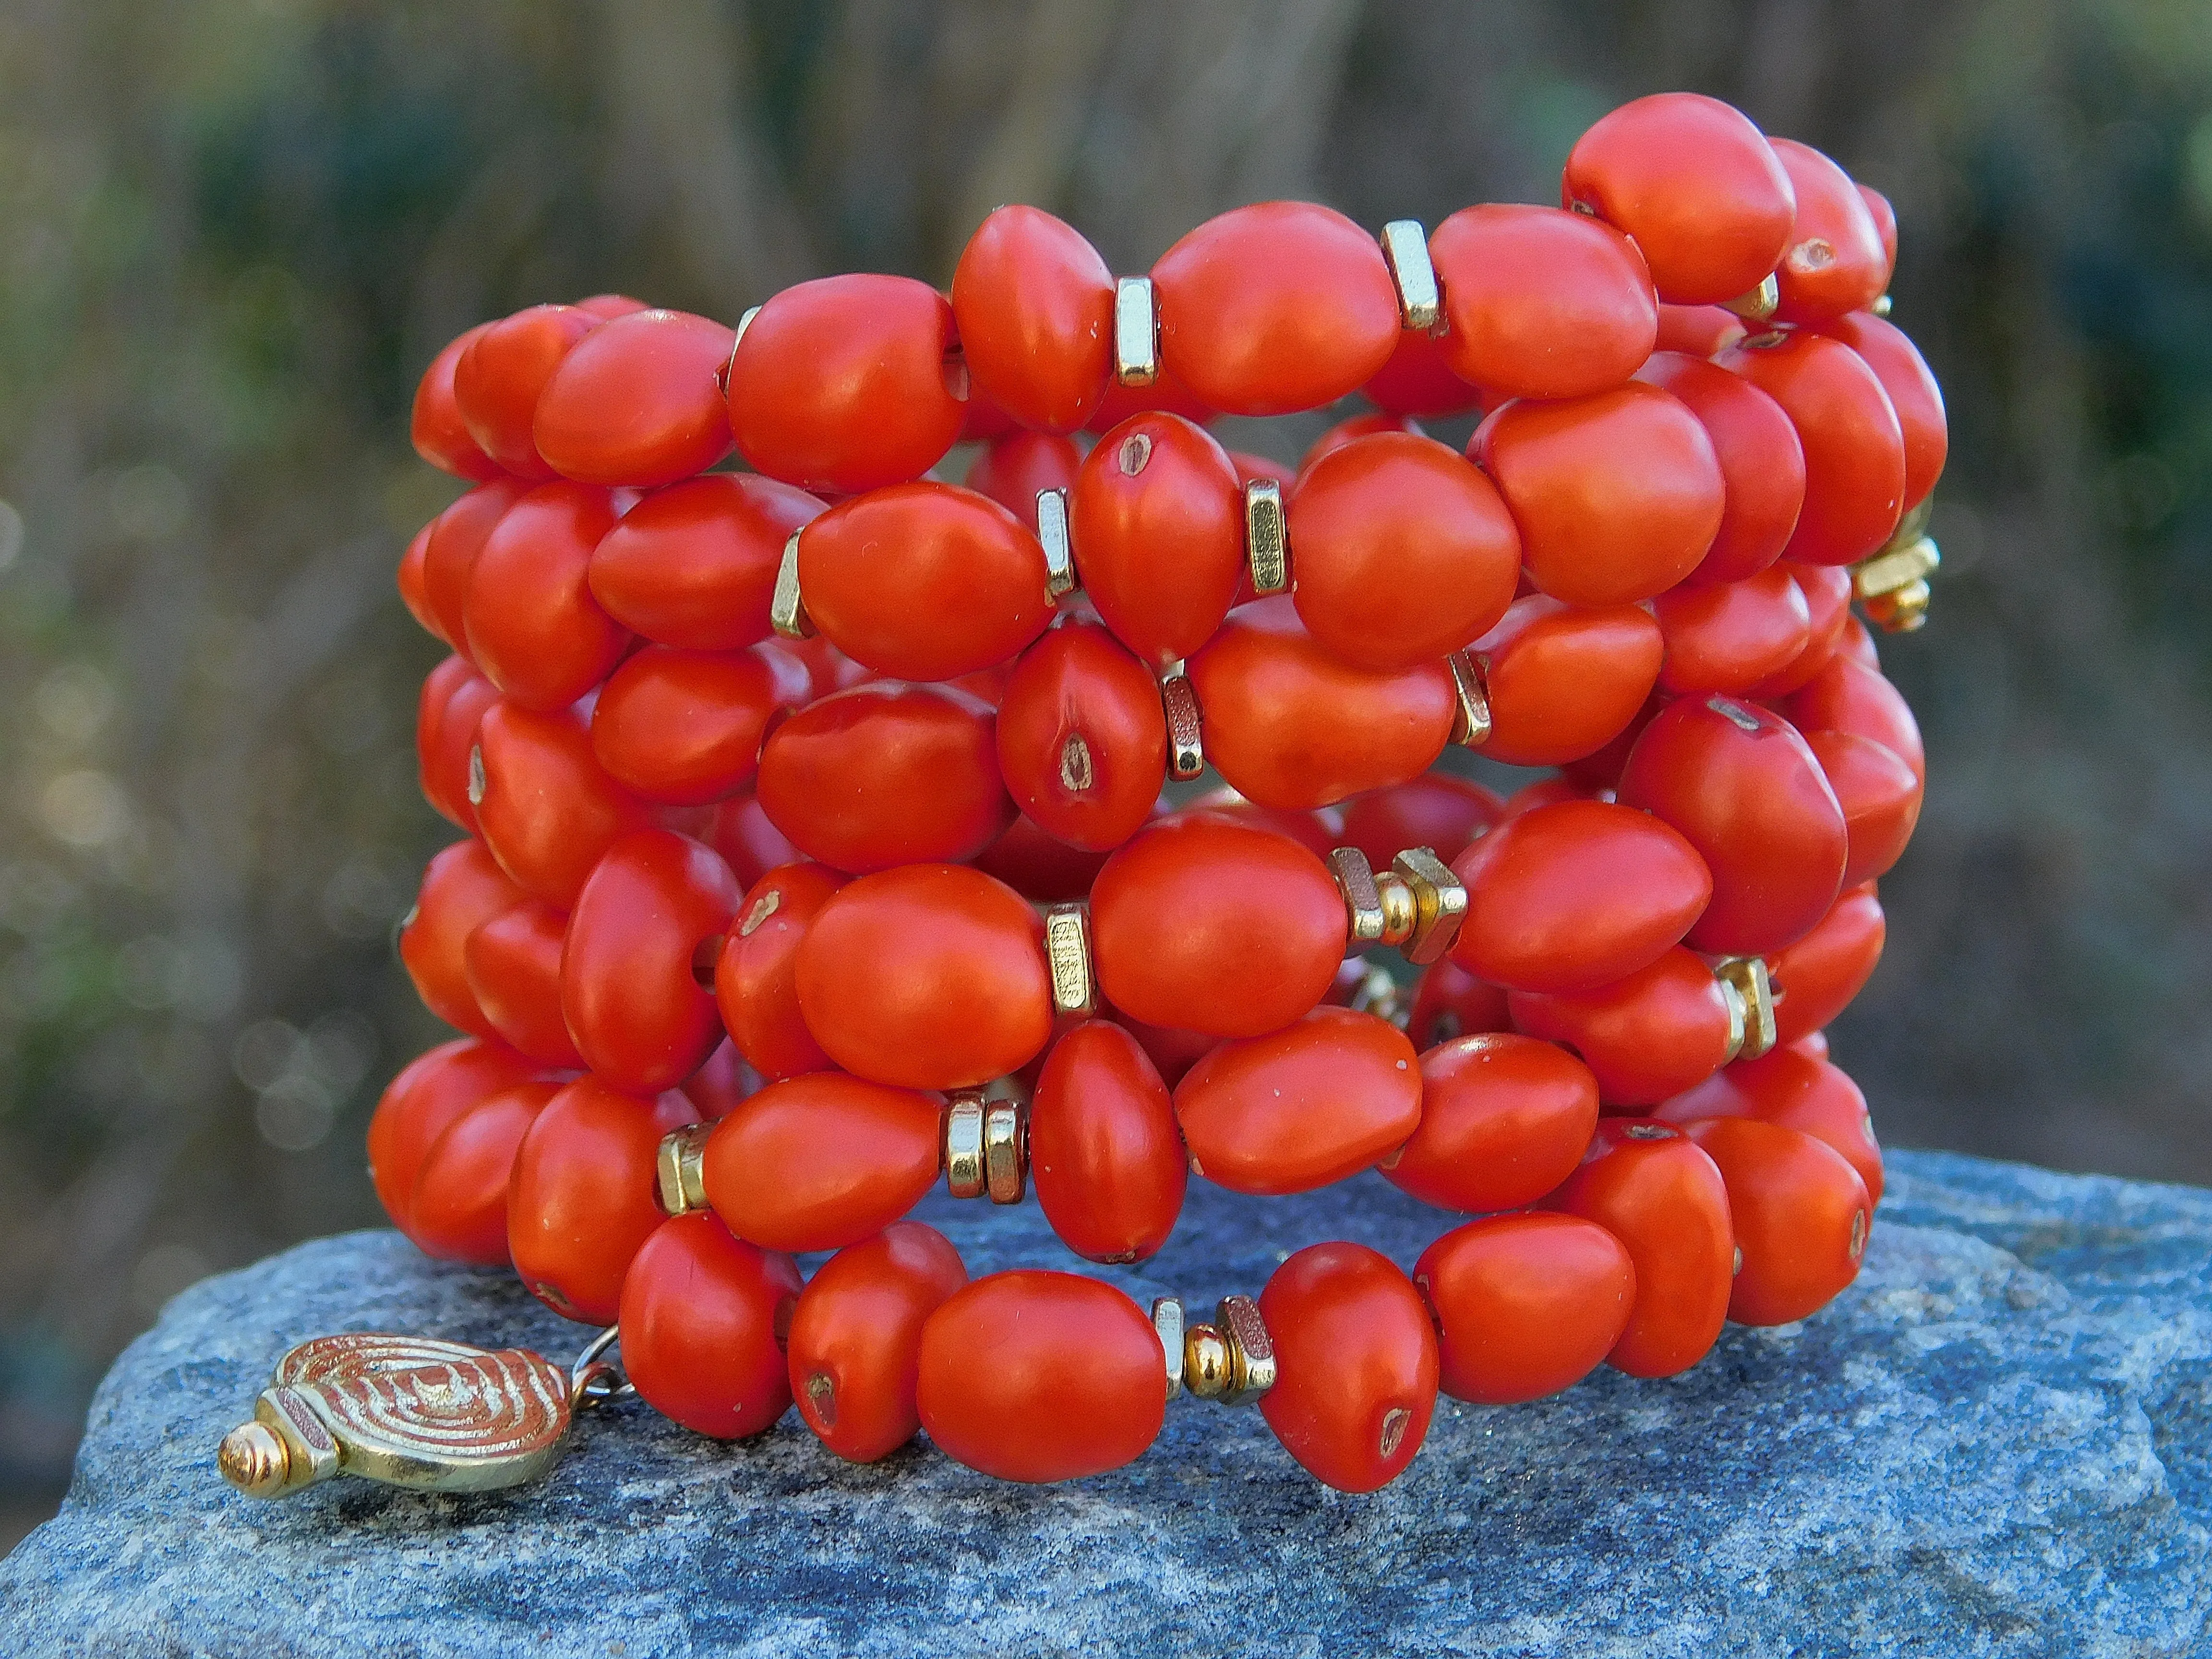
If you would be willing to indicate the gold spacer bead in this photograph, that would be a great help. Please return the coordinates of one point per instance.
(1400, 909)
(1406, 251)
(1136, 332)
(1059, 553)
(1365, 922)
(1439, 905)
(1471, 717)
(1905, 612)
(1760, 303)
(1882, 305)
(1251, 1350)
(1266, 550)
(682, 1168)
(964, 1174)
(1006, 1150)
(1167, 1322)
(786, 611)
(1067, 955)
(1747, 977)
(1206, 1362)
(1186, 739)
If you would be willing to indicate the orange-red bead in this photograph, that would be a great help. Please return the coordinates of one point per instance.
(463, 888)
(855, 1342)
(637, 401)
(819, 1162)
(1157, 518)
(514, 965)
(533, 627)
(1541, 303)
(1505, 1119)
(1525, 1305)
(686, 727)
(700, 1317)
(1082, 739)
(1651, 1034)
(1853, 446)
(695, 565)
(1563, 680)
(1799, 1212)
(1106, 1154)
(1798, 1091)
(1034, 305)
(1836, 261)
(757, 978)
(502, 373)
(1731, 636)
(1815, 978)
(547, 809)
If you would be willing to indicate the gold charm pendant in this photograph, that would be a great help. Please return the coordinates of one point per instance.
(410, 1412)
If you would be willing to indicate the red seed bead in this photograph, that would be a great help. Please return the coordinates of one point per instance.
(1165, 395)
(455, 698)
(848, 383)
(457, 1211)
(686, 727)
(1404, 552)
(1880, 797)
(1698, 331)
(1745, 791)
(1913, 393)
(1016, 467)
(630, 987)
(1289, 725)
(1035, 306)
(440, 436)
(608, 307)
(1574, 895)
(1731, 636)
(1797, 1090)
(1525, 1305)
(1373, 423)
(1565, 681)
(1274, 307)
(1815, 979)
(581, 1202)
(1618, 495)
(1039, 867)
(1082, 740)
(855, 1345)
(1827, 589)
(463, 887)
(1505, 1119)
(700, 1317)
(755, 977)
(1697, 185)
(1418, 381)
(421, 1103)
(1646, 1038)
(533, 627)
(1451, 1002)
(1653, 1189)
(749, 843)
(449, 558)
(721, 1085)
(1034, 1375)
(1156, 518)
(1836, 261)
(547, 809)
(1436, 810)
(1853, 446)
(1762, 462)
(695, 565)
(1303, 1106)
(1320, 831)
(1848, 696)
(1885, 224)
(411, 581)
(924, 581)
(499, 377)
(1183, 914)
(1800, 1214)
(1355, 1365)
(819, 1162)
(1541, 303)
(886, 774)
(514, 965)
(890, 957)
(1105, 1152)
(637, 402)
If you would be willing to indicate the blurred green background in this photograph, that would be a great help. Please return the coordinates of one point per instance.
(233, 231)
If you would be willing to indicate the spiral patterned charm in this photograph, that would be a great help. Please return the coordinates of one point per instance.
(407, 1411)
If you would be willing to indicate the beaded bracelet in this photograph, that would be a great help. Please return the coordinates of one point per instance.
(818, 846)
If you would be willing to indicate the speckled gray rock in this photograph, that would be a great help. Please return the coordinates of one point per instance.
(1999, 1442)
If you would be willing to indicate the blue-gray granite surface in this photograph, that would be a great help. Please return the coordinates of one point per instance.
(1998, 1442)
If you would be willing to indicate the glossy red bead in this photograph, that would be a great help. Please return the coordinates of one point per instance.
(1815, 979)
(462, 887)
(547, 808)
(453, 700)
(1762, 462)
(1525, 1305)
(1645, 1037)
(414, 593)
(1745, 790)
(1505, 1119)
(1826, 590)
(1849, 697)
(1913, 393)
(1437, 810)
(1302, 1107)
(440, 436)
(848, 383)
(1106, 1154)
(927, 976)
(1541, 303)
(1798, 1091)
(701, 1317)
(1853, 446)
(1800, 1214)
(421, 1103)
(1035, 1376)
(1082, 739)
(449, 556)
(695, 565)
(1652, 1188)
(533, 627)
(1275, 307)
(1179, 913)
(458, 1209)
(855, 1343)
(1157, 518)
(1451, 1002)
(1014, 469)
(1618, 495)
(1695, 184)
(1731, 636)
(1880, 797)
(739, 831)
(513, 965)
(1037, 865)
(1034, 305)
(1418, 381)
(1356, 1365)
(924, 581)
(1698, 331)
(638, 402)
(631, 988)
(886, 774)
(1403, 551)
(819, 1162)
(1290, 724)
(686, 727)
(1836, 261)
(502, 372)
(1563, 680)
(755, 977)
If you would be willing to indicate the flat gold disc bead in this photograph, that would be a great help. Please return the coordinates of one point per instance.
(963, 1146)
(1005, 1152)
(1186, 741)
(1136, 332)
